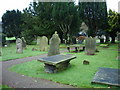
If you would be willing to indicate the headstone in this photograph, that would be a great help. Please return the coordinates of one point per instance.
(23, 42)
(44, 43)
(90, 45)
(54, 45)
(19, 48)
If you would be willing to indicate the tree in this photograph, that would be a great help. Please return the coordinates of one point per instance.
(65, 16)
(43, 18)
(11, 23)
(37, 21)
(94, 14)
(114, 24)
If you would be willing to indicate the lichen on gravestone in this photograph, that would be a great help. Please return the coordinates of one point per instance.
(43, 43)
(19, 48)
(54, 45)
(90, 45)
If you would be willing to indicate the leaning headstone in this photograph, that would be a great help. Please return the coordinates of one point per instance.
(90, 45)
(19, 48)
(23, 42)
(44, 43)
(54, 45)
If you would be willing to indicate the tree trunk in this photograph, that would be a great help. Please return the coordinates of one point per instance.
(113, 39)
(107, 38)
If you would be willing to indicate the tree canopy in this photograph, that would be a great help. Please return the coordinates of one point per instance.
(11, 23)
(94, 14)
(44, 18)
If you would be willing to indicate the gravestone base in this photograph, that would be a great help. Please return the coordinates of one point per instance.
(56, 68)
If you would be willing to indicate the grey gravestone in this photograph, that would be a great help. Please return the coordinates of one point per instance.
(107, 76)
(54, 45)
(44, 43)
(23, 42)
(19, 48)
(90, 45)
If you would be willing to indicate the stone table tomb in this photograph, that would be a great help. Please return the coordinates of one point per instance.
(56, 63)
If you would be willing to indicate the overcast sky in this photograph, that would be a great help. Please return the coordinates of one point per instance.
(21, 4)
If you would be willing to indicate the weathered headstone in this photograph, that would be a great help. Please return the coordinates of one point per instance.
(54, 45)
(44, 43)
(23, 42)
(90, 45)
(19, 48)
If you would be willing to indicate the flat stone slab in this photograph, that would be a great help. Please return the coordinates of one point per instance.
(107, 76)
(53, 60)
(56, 63)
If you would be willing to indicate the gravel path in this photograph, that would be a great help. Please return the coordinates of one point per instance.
(16, 80)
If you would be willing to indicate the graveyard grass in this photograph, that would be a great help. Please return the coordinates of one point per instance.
(77, 74)
(4, 87)
(9, 53)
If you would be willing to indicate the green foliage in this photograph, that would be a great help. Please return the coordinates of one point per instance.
(43, 18)
(11, 23)
(114, 24)
(94, 14)
(37, 21)
(4, 87)
(65, 16)
(77, 74)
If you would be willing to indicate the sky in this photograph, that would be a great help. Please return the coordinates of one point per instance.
(22, 4)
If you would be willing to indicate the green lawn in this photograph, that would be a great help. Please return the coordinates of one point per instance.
(4, 87)
(9, 53)
(77, 74)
